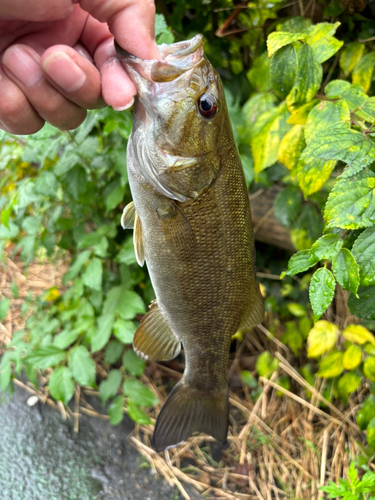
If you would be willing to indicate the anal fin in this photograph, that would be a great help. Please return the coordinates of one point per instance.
(138, 241)
(254, 313)
(154, 338)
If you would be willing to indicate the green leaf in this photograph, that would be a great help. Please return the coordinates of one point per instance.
(266, 135)
(358, 334)
(124, 331)
(113, 352)
(4, 308)
(5, 377)
(75, 268)
(350, 56)
(366, 413)
(82, 366)
(349, 382)
(248, 379)
(255, 107)
(327, 246)
(331, 366)
(103, 331)
(124, 302)
(46, 356)
(352, 357)
(308, 79)
(116, 410)
(283, 71)
(299, 262)
(363, 251)
(322, 290)
(296, 309)
(286, 205)
(324, 116)
(138, 415)
(66, 338)
(354, 97)
(340, 143)
(292, 337)
(266, 364)
(364, 305)
(92, 276)
(322, 42)
(370, 437)
(5, 215)
(61, 385)
(108, 388)
(132, 363)
(46, 184)
(259, 74)
(291, 147)
(351, 203)
(346, 270)
(369, 368)
(76, 182)
(139, 393)
(313, 175)
(363, 71)
(279, 39)
(335, 88)
(114, 198)
(321, 338)
(300, 115)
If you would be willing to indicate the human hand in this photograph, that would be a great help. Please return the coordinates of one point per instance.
(57, 59)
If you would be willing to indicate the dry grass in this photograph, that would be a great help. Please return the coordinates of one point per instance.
(279, 447)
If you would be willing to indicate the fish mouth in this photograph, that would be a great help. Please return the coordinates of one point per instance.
(176, 59)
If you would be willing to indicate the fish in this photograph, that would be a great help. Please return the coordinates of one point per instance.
(191, 223)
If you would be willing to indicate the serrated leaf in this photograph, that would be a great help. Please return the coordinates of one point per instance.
(322, 42)
(139, 393)
(327, 246)
(259, 74)
(369, 368)
(299, 262)
(308, 79)
(363, 251)
(364, 305)
(358, 334)
(324, 116)
(61, 385)
(138, 415)
(116, 410)
(335, 88)
(350, 56)
(103, 332)
(113, 352)
(108, 388)
(321, 338)
(346, 270)
(266, 135)
(349, 382)
(283, 71)
(46, 356)
(82, 366)
(331, 366)
(279, 39)
(321, 291)
(363, 71)
(92, 276)
(291, 147)
(367, 110)
(354, 97)
(124, 302)
(286, 205)
(351, 203)
(133, 364)
(65, 338)
(124, 330)
(352, 357)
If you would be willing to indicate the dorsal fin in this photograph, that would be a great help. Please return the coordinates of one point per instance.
(138, 241)
(154, 338)
(128, 216)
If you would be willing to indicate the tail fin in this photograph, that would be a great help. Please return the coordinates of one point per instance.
(188, 410)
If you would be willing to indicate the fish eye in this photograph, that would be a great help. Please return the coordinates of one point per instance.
(207, 105)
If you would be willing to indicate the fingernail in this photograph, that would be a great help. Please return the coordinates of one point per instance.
(70, 78)
(22, 65)
(129, 105)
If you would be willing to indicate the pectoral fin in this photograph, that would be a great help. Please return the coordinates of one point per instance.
(177, 227)
(128, 216)
(154, 338)
(254, 312)
(138, 241)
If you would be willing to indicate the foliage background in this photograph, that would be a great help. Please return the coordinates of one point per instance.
(299, 83)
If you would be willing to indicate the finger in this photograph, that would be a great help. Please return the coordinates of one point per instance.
(17, 116)
(73, 75)
(22, 65)
(32, 10)
(117, 88)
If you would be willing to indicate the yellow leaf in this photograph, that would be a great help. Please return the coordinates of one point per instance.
(291, 147)
(363, 71)
(299, 116)
(358, 334)
(352, 357)
(52, 294)
(322, 337)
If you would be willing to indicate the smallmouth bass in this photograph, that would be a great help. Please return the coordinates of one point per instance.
(192, 226)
